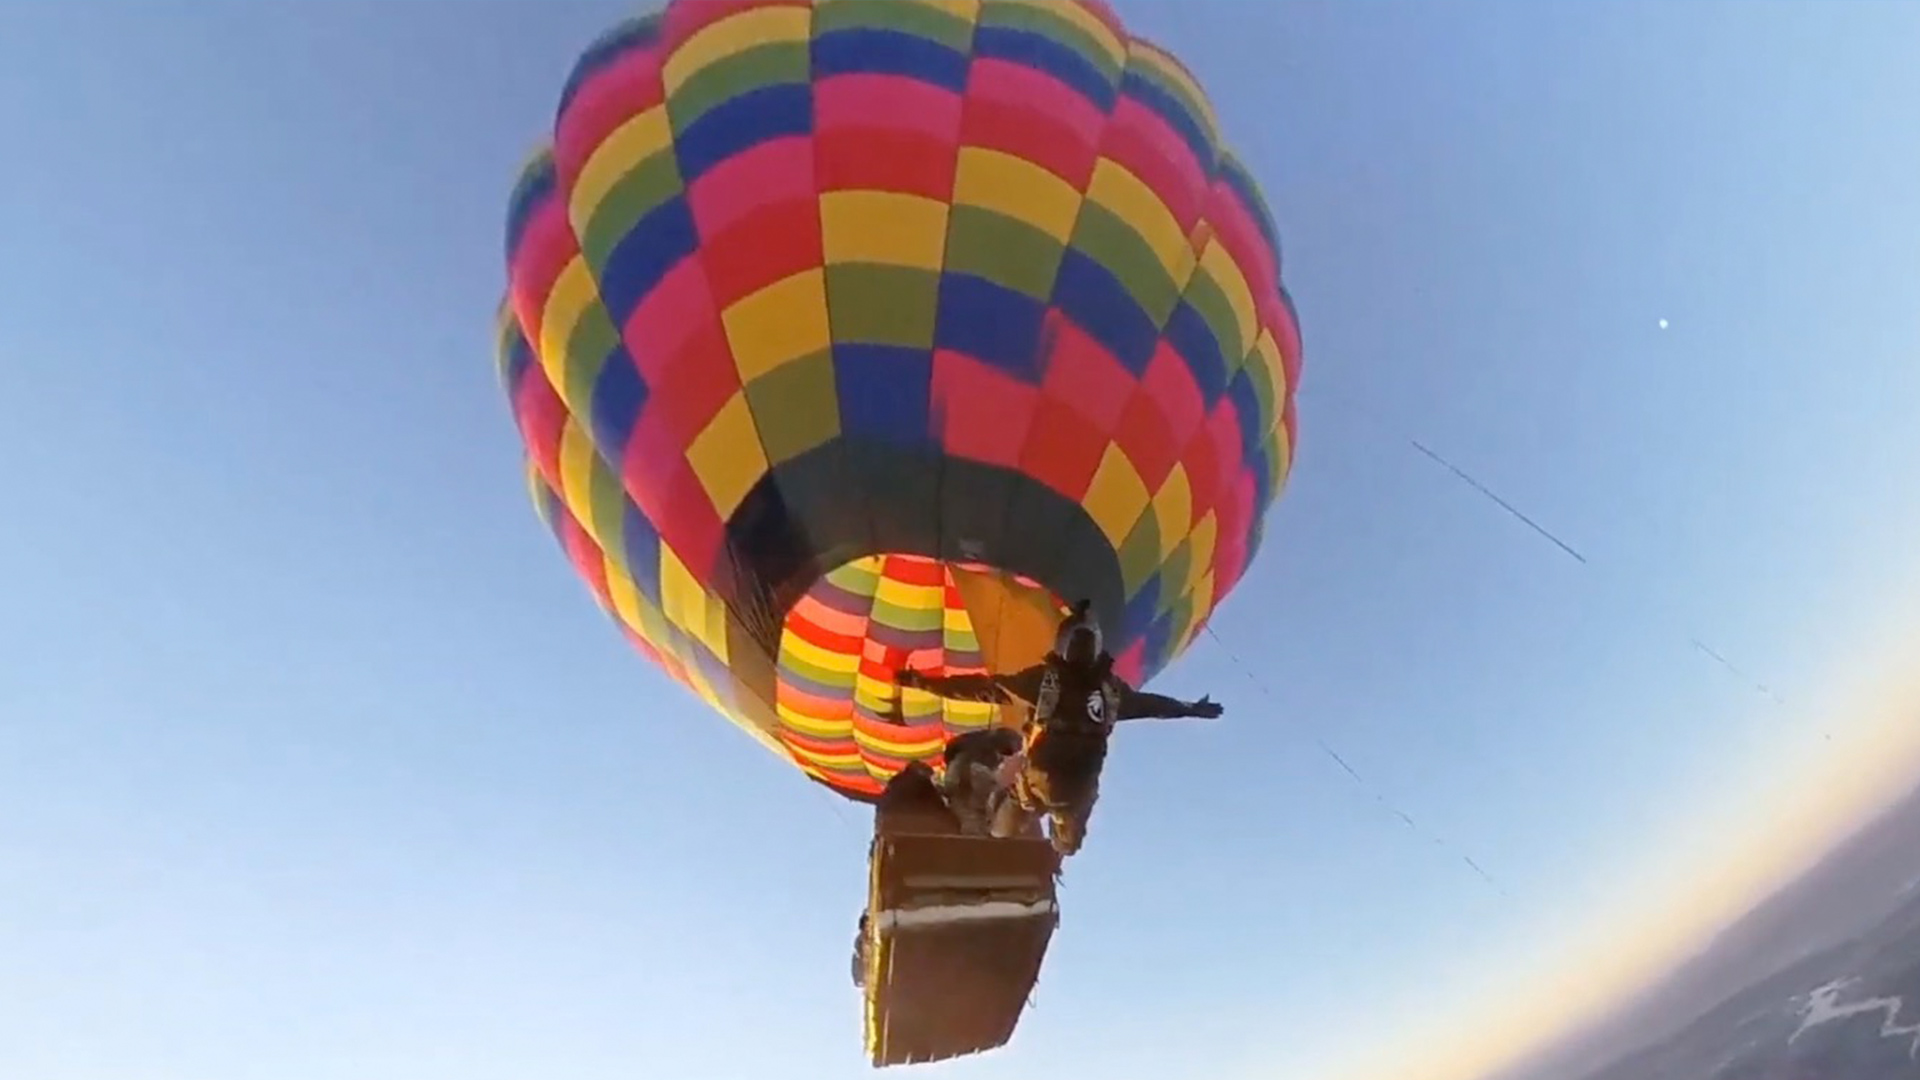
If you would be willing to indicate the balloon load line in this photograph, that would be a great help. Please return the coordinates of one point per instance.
(1498, 501)
(1757, 685)
(1695, 642)
(1353, 774)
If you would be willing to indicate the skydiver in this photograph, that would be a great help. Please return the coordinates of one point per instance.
(972, 776)
(917, 791)
(1074, 701)
(913, 790)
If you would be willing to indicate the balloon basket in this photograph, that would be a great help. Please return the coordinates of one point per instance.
(958, 928)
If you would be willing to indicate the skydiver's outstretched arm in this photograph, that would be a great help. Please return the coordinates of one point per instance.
(988, 688)
(985, 688)
(1140, 705)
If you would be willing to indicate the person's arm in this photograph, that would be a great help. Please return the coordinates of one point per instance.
(860, 953)
(988, 688)
(1141, 705)
(985, 688)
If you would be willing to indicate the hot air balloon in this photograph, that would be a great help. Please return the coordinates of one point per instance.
(851, 335)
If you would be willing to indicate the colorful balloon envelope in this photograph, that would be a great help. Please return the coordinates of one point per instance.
(860, 334)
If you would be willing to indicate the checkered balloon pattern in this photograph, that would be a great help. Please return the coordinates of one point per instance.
(836, 330)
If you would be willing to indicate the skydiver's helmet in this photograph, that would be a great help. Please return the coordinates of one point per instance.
(1078, 639)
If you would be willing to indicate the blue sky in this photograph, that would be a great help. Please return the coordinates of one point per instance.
(315, 760)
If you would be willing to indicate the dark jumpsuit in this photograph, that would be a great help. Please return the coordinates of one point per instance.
(1066, 752)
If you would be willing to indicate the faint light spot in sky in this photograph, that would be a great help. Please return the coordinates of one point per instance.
(1663, 324)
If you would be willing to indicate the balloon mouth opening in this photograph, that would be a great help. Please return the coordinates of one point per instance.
(845, 640)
